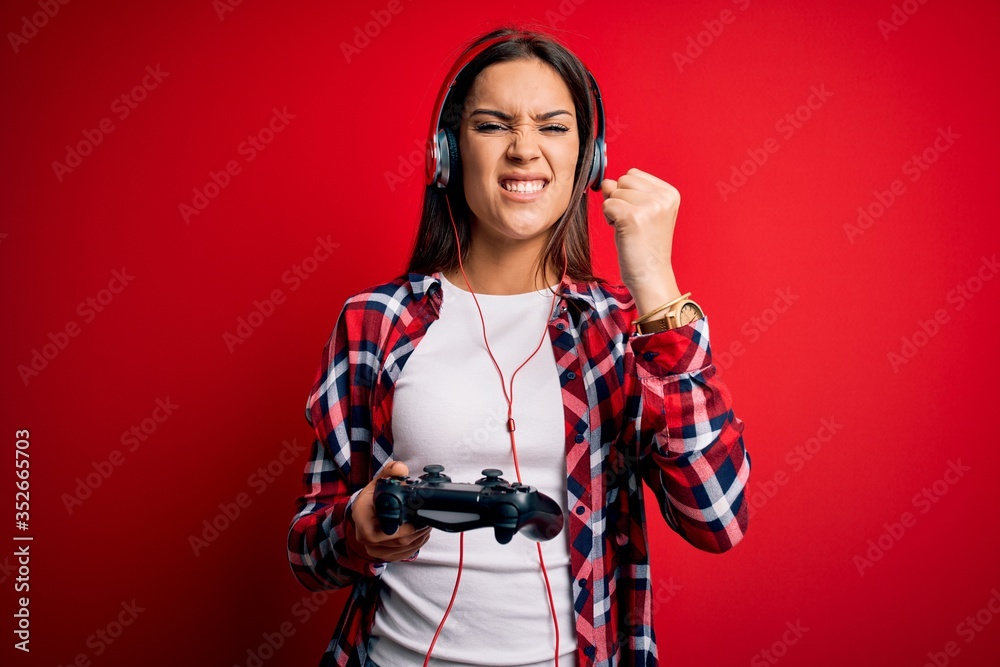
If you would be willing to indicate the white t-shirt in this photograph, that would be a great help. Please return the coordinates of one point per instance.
(449, 409)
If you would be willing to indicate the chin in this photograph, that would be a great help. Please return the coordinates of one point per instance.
(528, 229)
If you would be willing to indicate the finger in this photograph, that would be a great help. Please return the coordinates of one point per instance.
(404, 535)
(389, 553)
(407, 533)
(649, 177)
(392, 544)
(615, 210)
(423, 540)
(394, 469)
(608, 186)
(411, 542)
(637, 182)
(635, 197)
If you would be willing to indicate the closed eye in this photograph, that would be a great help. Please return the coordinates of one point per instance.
(488, 127)
(493, 127)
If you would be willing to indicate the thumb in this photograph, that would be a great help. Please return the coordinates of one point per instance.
(608, 185)
(394, 469)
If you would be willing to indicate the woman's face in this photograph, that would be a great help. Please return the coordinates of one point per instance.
(519, 148)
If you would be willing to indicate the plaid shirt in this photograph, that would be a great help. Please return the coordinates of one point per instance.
(649, 406)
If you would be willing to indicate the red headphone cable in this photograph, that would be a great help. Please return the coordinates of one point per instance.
(454, 592)
(510, 429)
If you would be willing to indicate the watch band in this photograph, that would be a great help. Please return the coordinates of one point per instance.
(682, 313)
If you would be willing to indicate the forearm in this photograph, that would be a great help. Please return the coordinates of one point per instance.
(693, 454)
(317, 538)
(704, 487)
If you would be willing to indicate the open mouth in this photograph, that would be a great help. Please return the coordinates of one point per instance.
(526, 187)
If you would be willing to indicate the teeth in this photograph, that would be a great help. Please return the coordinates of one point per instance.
(523, 186)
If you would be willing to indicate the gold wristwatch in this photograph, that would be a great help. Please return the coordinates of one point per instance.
(681, 313)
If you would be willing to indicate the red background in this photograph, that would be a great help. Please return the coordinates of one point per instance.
(324, 175)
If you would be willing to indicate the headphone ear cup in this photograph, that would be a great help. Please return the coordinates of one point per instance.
(439, 167)
(598, 166)
(454, 172)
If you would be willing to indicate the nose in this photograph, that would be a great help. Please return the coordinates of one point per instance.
(523, 147)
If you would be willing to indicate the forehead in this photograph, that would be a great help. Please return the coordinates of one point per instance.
(520, 84)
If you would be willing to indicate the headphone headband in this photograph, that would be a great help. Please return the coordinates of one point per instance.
(440, 154)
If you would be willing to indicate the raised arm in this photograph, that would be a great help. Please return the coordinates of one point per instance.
(691, 450)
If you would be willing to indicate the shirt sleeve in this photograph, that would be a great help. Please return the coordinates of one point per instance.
(690, 443)
(338, 468)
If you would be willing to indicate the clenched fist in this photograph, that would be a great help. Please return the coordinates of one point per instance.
(643, 210)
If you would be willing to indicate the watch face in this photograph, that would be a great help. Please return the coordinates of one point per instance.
(689, 313)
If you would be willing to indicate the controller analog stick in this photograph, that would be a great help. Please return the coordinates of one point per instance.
(491, 477)
(435, 473)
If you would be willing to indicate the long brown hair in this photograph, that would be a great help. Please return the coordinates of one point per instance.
(434, 246)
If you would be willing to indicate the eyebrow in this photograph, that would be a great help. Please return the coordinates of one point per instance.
(508, 117)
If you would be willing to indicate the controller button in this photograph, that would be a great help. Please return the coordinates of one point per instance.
(492, 474)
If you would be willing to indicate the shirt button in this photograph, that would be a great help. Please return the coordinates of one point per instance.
(571, 375)
(648, 356)
(583, 583)
(561, 326)
(580, 509)
(579, 437)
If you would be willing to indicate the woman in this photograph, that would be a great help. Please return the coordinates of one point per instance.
(499, 295)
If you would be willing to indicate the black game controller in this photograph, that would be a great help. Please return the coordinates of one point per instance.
(434, 500)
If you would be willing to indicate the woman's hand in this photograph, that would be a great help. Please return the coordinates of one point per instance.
(643, 210)
(364, 534)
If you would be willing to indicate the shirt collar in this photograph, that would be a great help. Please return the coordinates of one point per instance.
(422, 284)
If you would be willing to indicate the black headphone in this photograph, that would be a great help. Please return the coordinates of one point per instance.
(442, 147)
